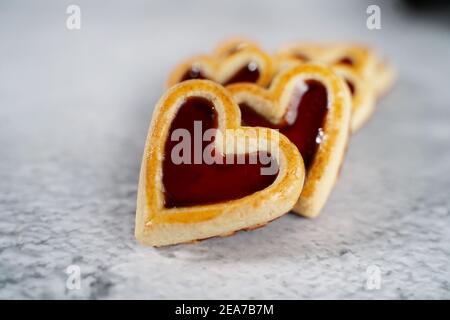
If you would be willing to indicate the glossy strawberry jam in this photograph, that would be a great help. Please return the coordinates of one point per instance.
(248, 73)
(193, 73)
(195, 182)
(303, 122)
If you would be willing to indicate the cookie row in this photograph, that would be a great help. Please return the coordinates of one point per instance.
(241, 60)
(243, 94)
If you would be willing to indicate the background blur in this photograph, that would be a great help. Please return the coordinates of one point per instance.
(75, 106)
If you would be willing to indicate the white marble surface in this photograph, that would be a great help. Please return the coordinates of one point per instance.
(74, 112)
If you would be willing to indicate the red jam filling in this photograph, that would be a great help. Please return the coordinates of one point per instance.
(303, 121)
(196, 182)
(351, 86)
(346, 61)
(301, 56)
(248, 73)
(193, 73)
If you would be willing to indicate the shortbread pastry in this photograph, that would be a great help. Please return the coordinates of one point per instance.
(183, 202)
(385, 78)
(232, 45)
(249, 64)
(367, 64)
(304, 51)
(311, 105)
(363, 96)
(360, 58)
(376, 73)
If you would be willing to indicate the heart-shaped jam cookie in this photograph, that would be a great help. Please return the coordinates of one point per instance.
(358, 57)
(311, 105)
(248, 64)
(204, 175)
(362, 91)
(363, 97)
(375, 73)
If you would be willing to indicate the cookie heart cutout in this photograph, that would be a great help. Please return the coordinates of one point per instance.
(311, 105)
(181, 202)
(248, 64)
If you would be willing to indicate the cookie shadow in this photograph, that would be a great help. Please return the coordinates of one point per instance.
(276, 240)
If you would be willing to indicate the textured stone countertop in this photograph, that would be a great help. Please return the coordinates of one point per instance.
(74, 112)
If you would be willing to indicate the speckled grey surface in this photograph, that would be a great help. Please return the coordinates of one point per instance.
(74, 112)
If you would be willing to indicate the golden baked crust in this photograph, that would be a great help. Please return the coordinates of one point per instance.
(363, 59)
(303, 51)
(220, 69)
(273, 103)
(385, 78)
(363, 97)
(158, 226)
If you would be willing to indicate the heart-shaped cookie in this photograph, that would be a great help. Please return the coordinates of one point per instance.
(359, 58)
(250, 64)
(181, 201)
(232, 45)
(363, 96)
(362, 60)
(311, 105)
(366, 63)
(362, 91)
